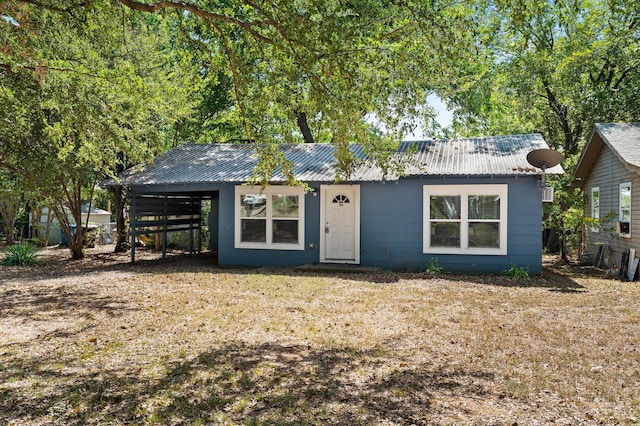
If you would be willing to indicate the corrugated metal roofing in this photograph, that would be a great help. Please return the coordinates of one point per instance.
(488, 156)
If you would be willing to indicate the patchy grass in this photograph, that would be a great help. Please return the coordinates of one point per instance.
(185, 342)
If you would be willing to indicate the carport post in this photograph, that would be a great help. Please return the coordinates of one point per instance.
(164, 228)
(133, 241)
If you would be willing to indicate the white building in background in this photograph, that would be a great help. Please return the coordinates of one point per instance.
(97, 217)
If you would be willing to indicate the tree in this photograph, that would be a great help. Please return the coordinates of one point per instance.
(558, 68)
(12, 204)
(294, 71)
(99, 97)
(318, 71)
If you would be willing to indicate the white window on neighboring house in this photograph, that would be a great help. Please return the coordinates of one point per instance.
(624, 215)
(269, 218)
(595, 209)
(470, 219)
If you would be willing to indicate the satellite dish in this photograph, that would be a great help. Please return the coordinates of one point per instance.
(543, 158)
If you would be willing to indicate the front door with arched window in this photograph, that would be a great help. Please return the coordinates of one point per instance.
(340, 224)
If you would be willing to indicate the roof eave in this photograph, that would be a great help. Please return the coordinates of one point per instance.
(590, 154)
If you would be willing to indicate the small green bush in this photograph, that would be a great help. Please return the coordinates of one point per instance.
(21, 255)
(434, 266)
(515, 272)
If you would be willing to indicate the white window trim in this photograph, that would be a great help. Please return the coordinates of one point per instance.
(625, 185)
(464, 191)
(268, 191)
(595, 210)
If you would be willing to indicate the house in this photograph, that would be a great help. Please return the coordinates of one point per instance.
(609, 174)
(474, 204)
(97, 217)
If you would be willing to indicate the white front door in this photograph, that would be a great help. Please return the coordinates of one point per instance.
(340, 223)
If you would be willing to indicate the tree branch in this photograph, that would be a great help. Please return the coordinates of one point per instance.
(304, 127)
(47, 6)
(198, 11)
(234, 77)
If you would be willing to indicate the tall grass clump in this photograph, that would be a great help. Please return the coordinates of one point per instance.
(21, 255)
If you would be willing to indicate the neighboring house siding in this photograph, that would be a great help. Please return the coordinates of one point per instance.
(608, 173)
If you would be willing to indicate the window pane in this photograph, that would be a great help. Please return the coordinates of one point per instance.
(253, 231)
(625, 215)
(484, 207)
(445, 207)
(484, 234)
(285, 231)
(253, 205)
(595, 199)
(625, 197)
(284, 205)
(445, 234)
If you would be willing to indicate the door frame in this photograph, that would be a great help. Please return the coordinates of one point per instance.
(356, 222)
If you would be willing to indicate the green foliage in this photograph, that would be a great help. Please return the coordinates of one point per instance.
(23, 254)
(90, 236)
(555, 68)
(434, 266)
(516, 272)
(87, 94)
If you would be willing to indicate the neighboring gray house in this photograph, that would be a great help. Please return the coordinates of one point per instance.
(475, 204)
(609, 174)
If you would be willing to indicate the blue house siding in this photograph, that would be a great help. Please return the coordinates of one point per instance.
(392, 226)
(229, 255)
(391, 229)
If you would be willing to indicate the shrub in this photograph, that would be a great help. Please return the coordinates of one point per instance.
(434, 266)
(515, 272)
(21, 255)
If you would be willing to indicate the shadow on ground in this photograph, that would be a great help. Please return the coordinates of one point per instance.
(267, 383)
(556, 276)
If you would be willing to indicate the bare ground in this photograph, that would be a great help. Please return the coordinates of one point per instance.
(183, 341)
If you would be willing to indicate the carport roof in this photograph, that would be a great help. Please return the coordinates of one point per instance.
(235, 163)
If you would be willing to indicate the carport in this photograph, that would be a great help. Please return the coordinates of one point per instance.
(162, 213)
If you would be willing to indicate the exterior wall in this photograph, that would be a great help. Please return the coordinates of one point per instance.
(391, 229)
(608, 173)
(214, 222)
(228, 255)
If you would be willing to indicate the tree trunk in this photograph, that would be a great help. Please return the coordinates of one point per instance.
(36, 221)
(74, 239)
(304, 127)
(119, 202)
(9, 213)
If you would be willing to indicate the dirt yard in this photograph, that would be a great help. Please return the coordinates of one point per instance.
(183, 341)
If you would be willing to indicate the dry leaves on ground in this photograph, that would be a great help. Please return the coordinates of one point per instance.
(183, 341)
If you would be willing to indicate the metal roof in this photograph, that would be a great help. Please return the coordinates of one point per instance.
(622, 138)
(209, 163)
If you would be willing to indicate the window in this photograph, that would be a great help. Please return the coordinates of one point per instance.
(465, 219)
(595, 209)
(625, 209)
(269, 218)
